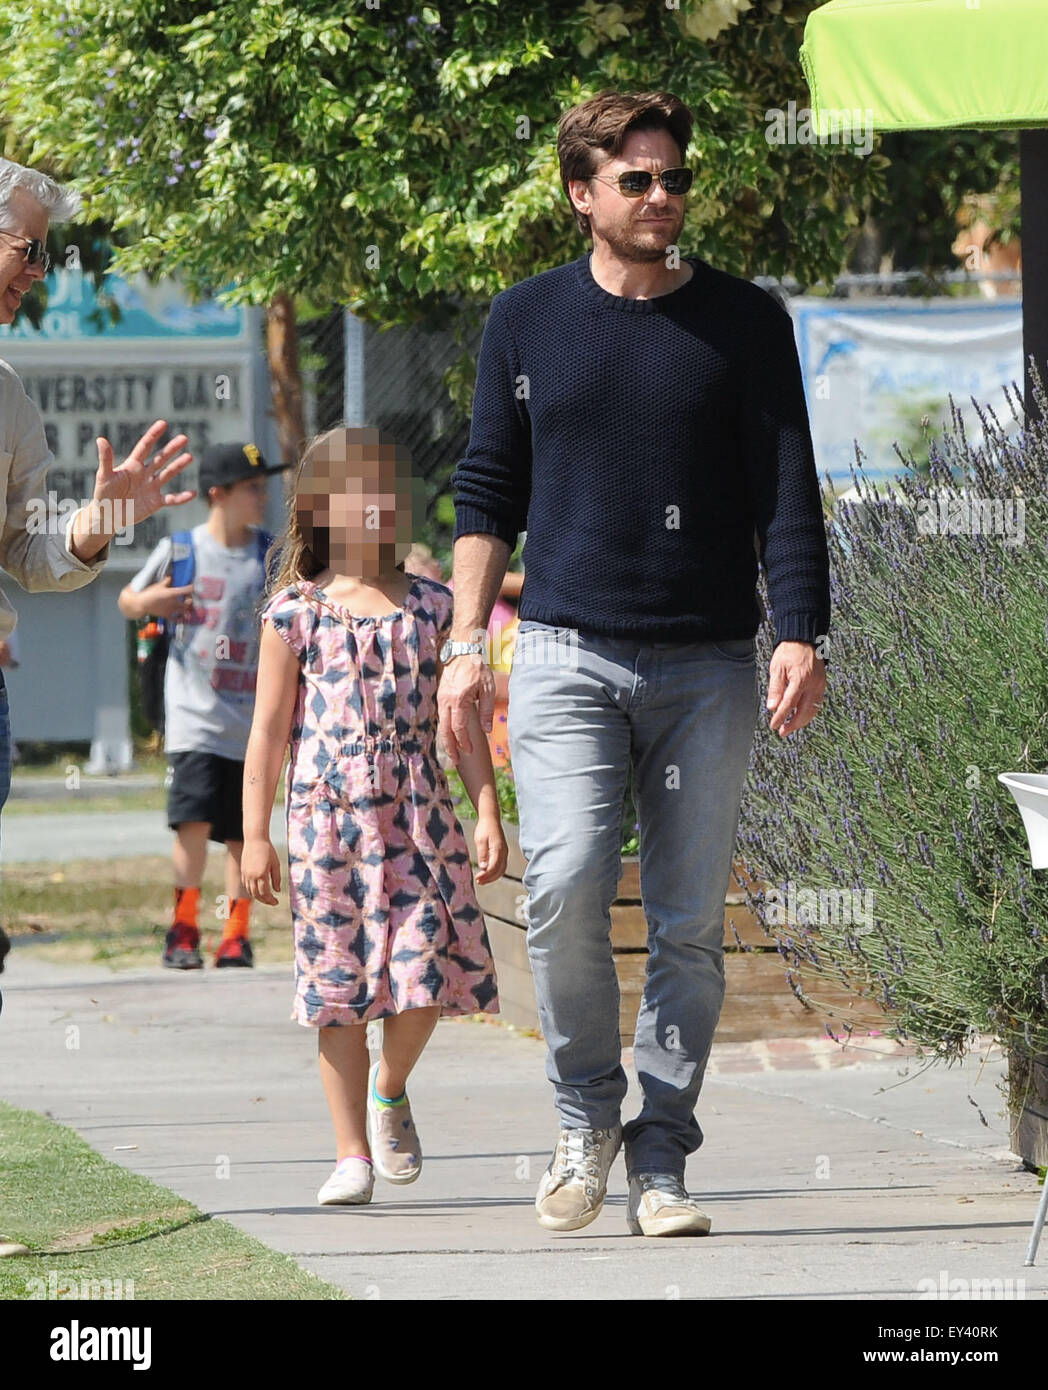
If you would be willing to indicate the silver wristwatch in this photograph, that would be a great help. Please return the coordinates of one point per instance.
(450, 649)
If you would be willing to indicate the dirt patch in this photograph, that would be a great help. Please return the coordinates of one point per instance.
(82, 1239)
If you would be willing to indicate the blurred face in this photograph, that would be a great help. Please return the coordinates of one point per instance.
(246, 501)
(25, 219)
(354, 504)
(634, 229)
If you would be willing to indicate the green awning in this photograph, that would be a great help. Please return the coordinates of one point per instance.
(929, 64)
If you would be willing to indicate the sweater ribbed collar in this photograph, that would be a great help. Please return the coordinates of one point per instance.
(603, 299)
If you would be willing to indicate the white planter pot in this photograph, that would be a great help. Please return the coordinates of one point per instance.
(1030, 790)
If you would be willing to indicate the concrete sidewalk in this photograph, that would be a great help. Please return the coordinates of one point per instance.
(58, 836)
(64, 836)
(827, 1174)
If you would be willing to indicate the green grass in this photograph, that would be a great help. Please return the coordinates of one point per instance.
(52, 760)
(43, 762)
(85, 1218)
(91, 802)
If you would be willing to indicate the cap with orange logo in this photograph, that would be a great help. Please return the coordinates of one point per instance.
(222, 465)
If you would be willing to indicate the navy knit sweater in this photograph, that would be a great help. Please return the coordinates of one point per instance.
(648, 447)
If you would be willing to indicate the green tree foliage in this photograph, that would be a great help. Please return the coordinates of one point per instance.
(401, 159)
(931, 174)
(405, 163)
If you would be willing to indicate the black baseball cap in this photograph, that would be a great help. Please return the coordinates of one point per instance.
(222, 465)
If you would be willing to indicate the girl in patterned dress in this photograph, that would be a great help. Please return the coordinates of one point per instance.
(386, 920)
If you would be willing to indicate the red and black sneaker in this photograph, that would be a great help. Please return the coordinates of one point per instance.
(182, 948)
(234, 950)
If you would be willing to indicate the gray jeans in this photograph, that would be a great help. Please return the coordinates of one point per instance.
(581, 706)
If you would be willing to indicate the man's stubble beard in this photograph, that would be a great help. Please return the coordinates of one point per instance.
(632, 245)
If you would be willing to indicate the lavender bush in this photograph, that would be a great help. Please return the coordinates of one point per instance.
(937, 682)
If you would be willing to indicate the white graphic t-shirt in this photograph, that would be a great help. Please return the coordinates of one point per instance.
(212, 664)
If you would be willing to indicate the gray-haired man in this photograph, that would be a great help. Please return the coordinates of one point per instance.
(71, 557)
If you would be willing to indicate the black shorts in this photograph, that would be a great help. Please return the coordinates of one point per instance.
(207, 787)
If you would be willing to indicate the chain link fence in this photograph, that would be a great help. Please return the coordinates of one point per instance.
(406, 378)
(406, 374)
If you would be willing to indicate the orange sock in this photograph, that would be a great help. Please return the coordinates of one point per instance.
(186, 900)
(237, 922)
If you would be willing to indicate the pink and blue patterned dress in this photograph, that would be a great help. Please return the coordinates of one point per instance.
(381, 890)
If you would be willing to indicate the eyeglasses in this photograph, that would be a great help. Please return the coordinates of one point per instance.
(634, 183)
(34, 250)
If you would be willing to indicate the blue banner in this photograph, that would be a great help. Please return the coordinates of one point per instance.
(75, 312)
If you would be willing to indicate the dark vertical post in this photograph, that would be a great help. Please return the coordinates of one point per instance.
(1033, 161)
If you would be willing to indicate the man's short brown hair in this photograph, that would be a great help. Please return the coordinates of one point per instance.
(603, 122)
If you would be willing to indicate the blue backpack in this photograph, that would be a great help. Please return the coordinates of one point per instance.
(151, 669)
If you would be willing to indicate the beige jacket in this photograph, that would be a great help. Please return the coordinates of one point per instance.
(39, 560)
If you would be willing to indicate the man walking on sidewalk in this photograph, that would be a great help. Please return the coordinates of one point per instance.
(642, 417)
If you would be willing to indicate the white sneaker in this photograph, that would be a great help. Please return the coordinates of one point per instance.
(659, 1205)
(571, 1192)
(396, 1152)
(350, 1185)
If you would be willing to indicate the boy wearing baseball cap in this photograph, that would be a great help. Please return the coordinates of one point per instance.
(209, 688)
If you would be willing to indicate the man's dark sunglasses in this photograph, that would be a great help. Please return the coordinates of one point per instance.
(634, 183)
(34, 250)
